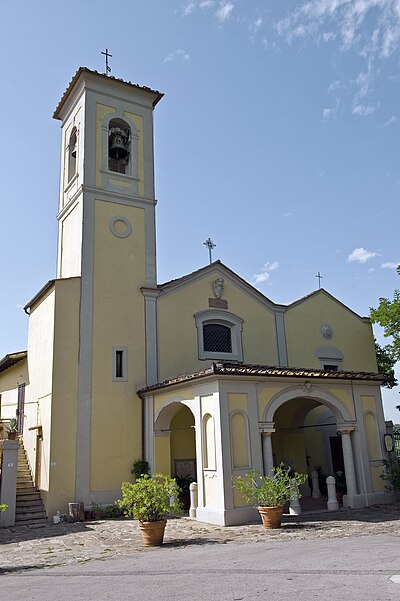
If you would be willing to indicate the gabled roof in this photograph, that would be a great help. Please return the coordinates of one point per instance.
(12, 359)
(329, 295)
(186, 279)
(217, 266)
(82, 70)
(238, 370)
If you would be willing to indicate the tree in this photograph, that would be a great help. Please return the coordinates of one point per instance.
(385, 363)
(387, 314)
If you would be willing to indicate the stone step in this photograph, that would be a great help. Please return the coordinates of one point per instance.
(25, 485)
(29, 498)
(30, 518)
(33, 524)
(23, 503)
(29, 515)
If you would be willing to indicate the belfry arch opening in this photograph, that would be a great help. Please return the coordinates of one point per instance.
(119, 146)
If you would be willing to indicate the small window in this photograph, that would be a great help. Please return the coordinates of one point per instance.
(72, 152)
(120, 364)
(119, 145)
(219, 335)
(328, 367)
(217, 338)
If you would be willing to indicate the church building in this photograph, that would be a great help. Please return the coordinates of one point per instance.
(203, 375)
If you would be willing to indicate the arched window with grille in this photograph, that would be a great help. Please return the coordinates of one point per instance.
(72, 152)
(219, 335)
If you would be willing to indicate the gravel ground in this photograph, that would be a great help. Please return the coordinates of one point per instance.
(27, 548)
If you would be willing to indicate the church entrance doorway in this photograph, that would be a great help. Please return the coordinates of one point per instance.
(306, 438)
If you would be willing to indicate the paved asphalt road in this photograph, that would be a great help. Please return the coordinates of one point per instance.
(348, 568)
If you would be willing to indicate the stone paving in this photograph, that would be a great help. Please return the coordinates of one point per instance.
(25, 548)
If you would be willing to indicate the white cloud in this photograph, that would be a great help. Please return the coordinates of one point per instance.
(373, 26)
(288, 214)
(362, 110)
(392, 119)
(256, 25)
(177, 54)
(328, 113)
(390, 265)
(361, 255)
(224, 11)
(264, 275)
(188, 8)
(206, 4)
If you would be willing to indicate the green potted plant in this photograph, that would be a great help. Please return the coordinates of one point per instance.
(149, 500)
(139, 468)
(12, 429)
(184, 483)
(270, 493)
(97, 512)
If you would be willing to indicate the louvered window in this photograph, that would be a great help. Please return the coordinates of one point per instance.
(217, 338)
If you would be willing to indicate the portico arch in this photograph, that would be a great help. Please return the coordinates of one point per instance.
(174, 439)
(308, 392)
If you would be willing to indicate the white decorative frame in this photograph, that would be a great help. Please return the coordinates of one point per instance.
(124, 377)
(226, 319)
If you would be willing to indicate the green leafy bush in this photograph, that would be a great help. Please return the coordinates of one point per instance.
(3, 507)
(113, 511)
(274, 491)
(13, 425)
(149, 499)
(139, 468)
(391, 475)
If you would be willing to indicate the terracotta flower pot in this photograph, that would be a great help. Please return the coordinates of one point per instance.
(152, 533)
(12, 435)
(271, 516)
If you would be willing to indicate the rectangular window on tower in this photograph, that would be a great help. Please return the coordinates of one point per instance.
(120, 364)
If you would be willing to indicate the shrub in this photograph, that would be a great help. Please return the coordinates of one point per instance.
(149, 499)
(274, 491)
(391, 475)
(139, 468)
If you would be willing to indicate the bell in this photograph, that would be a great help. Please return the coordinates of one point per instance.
(73, 151)
(117, 144)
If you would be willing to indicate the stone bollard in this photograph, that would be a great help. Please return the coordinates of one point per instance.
(332, 504)
(294, 507)
(316, 493)
(193, 500)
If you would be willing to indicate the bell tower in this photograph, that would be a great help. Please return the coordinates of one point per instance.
(107, 147)
(107, 239)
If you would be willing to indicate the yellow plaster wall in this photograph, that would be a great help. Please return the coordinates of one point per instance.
(71, 243)
(101, 112)
(138, 121)
(38, 395)
(351, 335)
(9, 382)
(161, 399)
(368, 403)
(265, 394)
(162, 455)
(181, 355)
(65, 373)
(377, 482)
(118, 320)
(183, 445)
(240, 441)
(237, 400)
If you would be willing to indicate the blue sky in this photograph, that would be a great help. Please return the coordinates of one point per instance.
(278, 137)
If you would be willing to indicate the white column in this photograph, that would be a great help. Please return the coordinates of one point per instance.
(268, 457)
(349, 463)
